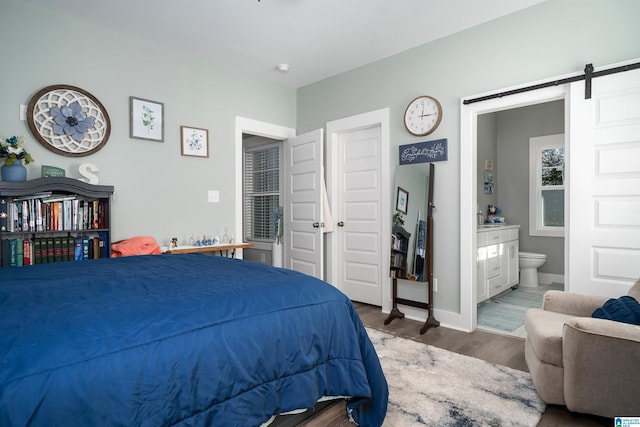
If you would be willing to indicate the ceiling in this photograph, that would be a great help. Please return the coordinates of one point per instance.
(317, 38)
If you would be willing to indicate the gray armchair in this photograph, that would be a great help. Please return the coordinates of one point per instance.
(590, 365)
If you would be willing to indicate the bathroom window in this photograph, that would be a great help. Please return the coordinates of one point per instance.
(546, 186)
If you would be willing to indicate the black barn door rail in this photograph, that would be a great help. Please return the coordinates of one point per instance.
(588, 75)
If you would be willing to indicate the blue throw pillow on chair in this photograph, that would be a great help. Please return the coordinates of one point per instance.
(624, 309)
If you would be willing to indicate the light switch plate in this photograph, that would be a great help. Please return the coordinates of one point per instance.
(213, 196)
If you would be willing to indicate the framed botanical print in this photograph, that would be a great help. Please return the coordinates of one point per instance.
(194, 141)
(147, 119)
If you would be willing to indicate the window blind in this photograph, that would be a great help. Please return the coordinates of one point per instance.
(261, 192)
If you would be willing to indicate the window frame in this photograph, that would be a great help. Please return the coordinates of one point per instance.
(536, 147)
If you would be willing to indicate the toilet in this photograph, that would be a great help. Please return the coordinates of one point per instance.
(529, 263)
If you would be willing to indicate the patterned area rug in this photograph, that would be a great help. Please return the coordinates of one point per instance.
(429, 386)
(505, 313)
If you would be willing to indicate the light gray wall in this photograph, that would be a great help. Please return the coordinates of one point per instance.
(542, 42)
(158, 192)
(514, 128)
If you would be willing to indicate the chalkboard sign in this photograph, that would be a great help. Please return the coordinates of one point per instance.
(423, 152)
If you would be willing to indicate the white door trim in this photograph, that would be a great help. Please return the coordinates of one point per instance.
(334, 129)
(253, 127)
(468, 186)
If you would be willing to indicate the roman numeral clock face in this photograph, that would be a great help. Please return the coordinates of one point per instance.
(422, 115)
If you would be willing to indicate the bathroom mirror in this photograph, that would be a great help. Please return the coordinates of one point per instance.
(411, 195)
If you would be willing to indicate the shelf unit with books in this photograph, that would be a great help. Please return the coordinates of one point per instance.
(399, 251)
(53, 219)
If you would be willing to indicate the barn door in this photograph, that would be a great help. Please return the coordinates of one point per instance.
(604, 180)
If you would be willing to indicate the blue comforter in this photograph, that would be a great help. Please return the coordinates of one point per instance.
(189, 340)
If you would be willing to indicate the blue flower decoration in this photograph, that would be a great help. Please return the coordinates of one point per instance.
(70, 120)
(195, 142)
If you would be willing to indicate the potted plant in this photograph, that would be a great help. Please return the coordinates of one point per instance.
(398, 219)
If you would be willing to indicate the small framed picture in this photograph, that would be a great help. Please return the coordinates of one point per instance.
(488, 182)
(402, 201)
(147, 119)
(194, 141)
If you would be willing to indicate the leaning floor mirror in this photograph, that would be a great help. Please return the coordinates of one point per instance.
(410, 215)
(412, 236)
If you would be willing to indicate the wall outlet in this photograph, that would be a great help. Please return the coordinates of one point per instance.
(23, 112)
(435, 285)
(213, 196)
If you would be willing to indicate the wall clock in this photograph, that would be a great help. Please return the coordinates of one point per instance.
(423, 115)
(68, 120)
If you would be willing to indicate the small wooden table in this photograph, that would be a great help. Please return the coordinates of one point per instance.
(210, 248)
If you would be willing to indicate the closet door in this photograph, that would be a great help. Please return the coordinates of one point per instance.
(360, 231)
(358, 247)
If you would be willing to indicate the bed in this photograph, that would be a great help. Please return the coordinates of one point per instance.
(188, 340)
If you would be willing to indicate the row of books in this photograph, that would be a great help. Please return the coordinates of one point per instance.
(20, 252)
(54, 213)
(398, 260)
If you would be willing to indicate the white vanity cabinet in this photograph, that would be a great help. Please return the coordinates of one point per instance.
(497, 260)
(511, 245)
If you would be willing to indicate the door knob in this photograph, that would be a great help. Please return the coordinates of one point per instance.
(316, 225)
(340, 223)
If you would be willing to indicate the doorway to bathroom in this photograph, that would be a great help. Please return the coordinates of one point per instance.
(471, 119)
(503, 180)
(601, 231)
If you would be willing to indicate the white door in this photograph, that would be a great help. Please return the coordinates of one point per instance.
(361, 253)
(303, 242)
(604, 180)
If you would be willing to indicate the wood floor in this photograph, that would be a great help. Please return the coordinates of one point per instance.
(495, 348)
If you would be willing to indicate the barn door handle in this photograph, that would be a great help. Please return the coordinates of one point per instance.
(340, 223)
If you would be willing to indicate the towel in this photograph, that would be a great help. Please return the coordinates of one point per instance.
(327, 217)
(140, 245)
(421, 242)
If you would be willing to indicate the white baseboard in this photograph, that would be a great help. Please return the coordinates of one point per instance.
(550, 278)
